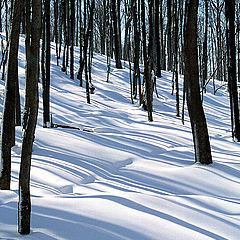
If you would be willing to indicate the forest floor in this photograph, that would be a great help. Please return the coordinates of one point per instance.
(125, 177)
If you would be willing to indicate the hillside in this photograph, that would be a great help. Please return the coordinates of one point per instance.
(124, 178)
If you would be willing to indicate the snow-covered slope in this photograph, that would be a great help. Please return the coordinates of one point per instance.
(126, 178)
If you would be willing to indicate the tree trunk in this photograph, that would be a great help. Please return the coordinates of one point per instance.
(157, 39)
(116, 36)
(8, 119)
(191, 75)
(169, 34)
(231, 62)
(205, 43)
(147, 69)
(56, 27)
(176, 49)
(72, 32)
(119, 27)
(46, 83)
(24, 206)
(27, 49)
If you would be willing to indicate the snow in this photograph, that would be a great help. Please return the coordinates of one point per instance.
(124, 178)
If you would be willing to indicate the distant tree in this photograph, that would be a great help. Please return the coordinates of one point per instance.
(191, 75)
(24, 206)
(8, 119)
(231, 63)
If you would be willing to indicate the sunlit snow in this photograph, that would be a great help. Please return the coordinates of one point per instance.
(126, 178)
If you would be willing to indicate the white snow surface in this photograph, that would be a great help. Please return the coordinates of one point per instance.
(126, 178)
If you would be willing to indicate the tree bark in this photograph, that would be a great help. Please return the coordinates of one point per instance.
(147, 69)
(191, 75)
(46, 83)
(72, 32)
(169, 34)
(24, 206)
(8, 119)
(205, 43)
(231, 62)
(116, 36)
(157, 39)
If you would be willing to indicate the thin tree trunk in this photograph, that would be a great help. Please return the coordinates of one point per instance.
(169, 34)
(147, 69)
(27, 48)
(157, 39)
(205, 43)
(8, 119)
(56, 27)
(116, 36)
(46, 83)
(72, 32)
(24, 206)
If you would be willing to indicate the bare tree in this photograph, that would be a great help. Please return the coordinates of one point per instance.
(191, 75)
(24, 206)
(8, 120)
(116, 36)
(232, 81)
(46, 81)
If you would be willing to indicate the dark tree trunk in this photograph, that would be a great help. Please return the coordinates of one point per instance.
(8, 119)
(136, 74)
(46, 83)
(108, 39)
(163, 55)
(82, 35)
(191, 75)
(176, 49)
(231, 62)
(18, 103)
(86, 39)
(60, 27)
(77, 22)
(151, 36)
(6, 17)
(68, 33)
(169, 34)
(157, 39)
(147, 69)
(24, 206)
(27, 48)
(119, 26)
(205, 43)
(23, 29)
(103, 35)
(1, 18)
(116, 36)
(56, 27)
(72, 32)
